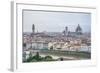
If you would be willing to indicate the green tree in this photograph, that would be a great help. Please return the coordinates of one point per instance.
(37, 57)
(29, 59)
(30, 54)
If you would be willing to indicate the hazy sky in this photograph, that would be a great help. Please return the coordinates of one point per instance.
(55, 21)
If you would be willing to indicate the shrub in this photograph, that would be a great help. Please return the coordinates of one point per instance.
(48, 58)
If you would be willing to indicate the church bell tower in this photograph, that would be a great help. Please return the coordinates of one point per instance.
(33, 28)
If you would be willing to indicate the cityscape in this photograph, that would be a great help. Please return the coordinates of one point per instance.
(42, 46)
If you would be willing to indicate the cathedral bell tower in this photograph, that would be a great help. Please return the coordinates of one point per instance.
(33, 28)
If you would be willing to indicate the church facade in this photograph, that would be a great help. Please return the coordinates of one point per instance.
(77, 32)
